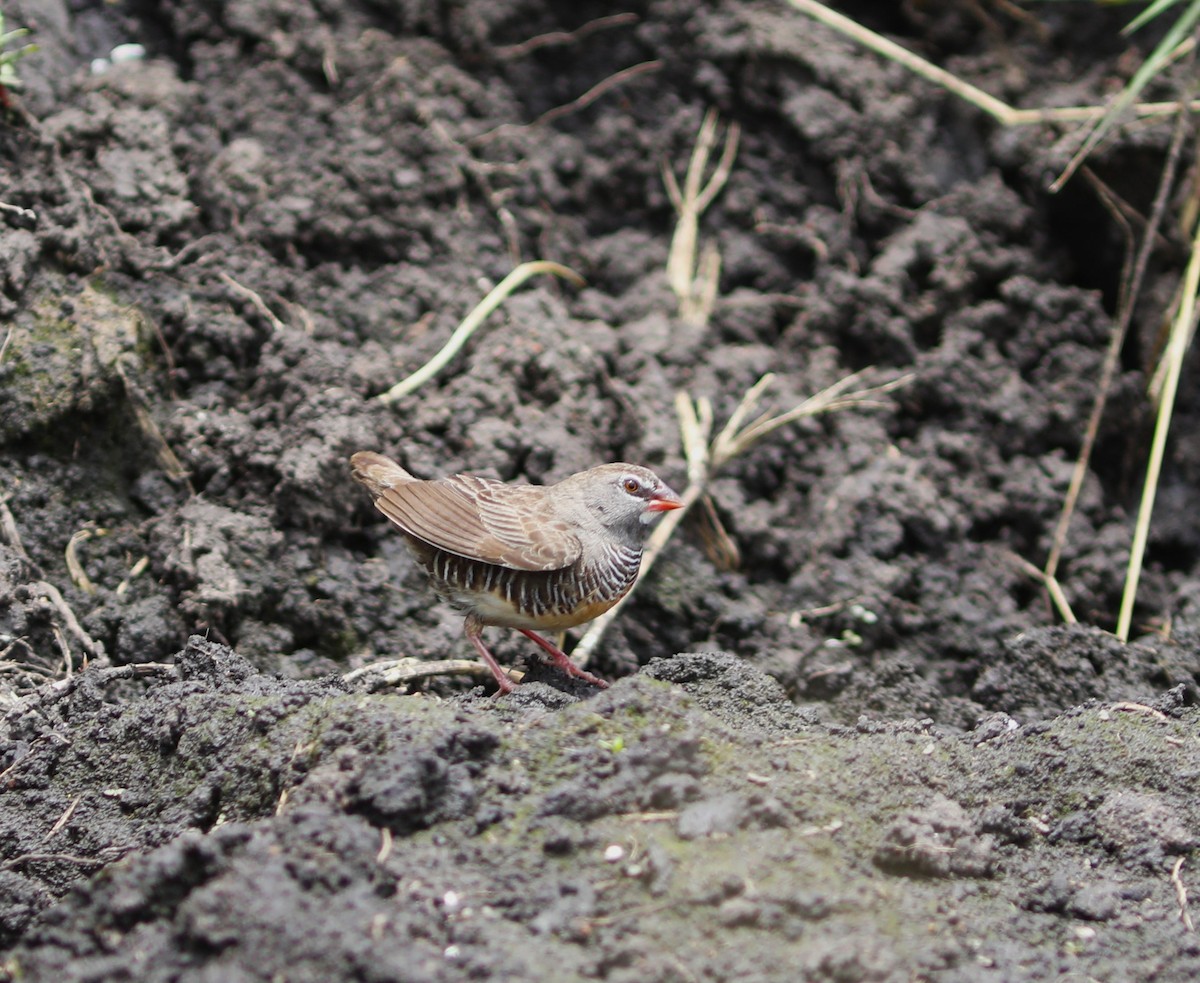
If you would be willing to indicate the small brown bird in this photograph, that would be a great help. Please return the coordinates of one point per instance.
(523, 556)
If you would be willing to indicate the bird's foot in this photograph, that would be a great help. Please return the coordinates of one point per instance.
(562, 660)
(506, 685)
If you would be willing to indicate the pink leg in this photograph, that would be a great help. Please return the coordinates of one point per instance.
(474, 632)
(561, 660)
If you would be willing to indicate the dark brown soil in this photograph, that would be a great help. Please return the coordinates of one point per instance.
(868, 751)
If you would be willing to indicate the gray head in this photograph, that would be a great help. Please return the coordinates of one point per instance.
(624, 499)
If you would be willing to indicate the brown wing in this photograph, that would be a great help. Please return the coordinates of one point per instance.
(483, 520)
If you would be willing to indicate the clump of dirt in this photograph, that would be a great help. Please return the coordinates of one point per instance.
(689, 821)
(865, 750)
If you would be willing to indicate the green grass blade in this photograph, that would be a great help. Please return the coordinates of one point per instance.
(1180, 30)
(1151, 12)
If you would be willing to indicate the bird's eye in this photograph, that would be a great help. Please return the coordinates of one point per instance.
(632, 485)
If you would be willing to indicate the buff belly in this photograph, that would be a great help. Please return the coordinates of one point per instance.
(492, 609)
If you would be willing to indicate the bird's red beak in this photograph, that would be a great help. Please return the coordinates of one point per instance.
(665, 502)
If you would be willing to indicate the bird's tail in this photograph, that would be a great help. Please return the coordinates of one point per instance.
(377, 473)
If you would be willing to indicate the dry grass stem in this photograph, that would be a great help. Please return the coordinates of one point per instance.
(1181, 895)
(79, 576)
(472, 321)
(167, 458)
(25, 214)
(134, 572)
(68, 660)
(706, 456)
(1181, 330)
(693, 281)
(718, 544)
(94, 650)
(63, 819)
(399, 672)
(103, 676)
(8, 529)
(1131, 285)
(1127, 706)
(256, 301)
(385, 845)
(996, 108)
(735, 439)
(65, 858)
(1053, 588)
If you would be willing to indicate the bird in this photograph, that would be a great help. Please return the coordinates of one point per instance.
(529, 557)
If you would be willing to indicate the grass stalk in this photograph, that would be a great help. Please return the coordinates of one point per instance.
(1181, 329)
(495, 297)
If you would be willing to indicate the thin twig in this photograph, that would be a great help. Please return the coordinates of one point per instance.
(28, 669)
(78, 575)
(255, 299)
(1107, 372)
(472, 321)
(66, 858)
(1128, 706)
(8, 529)
(132, 670)
(7, 341)
(695, 282)
(552, 38)
(1181, 895)
(63, 819)
(395, 672)
(25, 213)
(580, 102)
(1181, 329)
(596, 91)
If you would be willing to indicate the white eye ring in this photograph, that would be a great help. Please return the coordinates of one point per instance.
(631, 485)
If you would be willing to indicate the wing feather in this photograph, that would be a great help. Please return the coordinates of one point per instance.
(482, 520)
